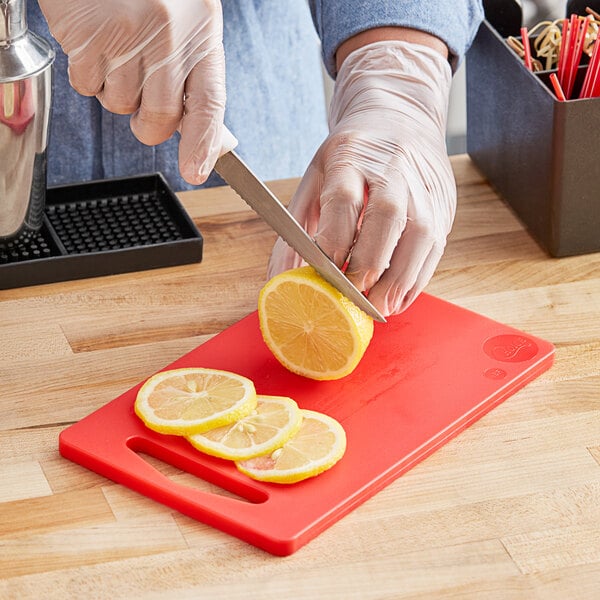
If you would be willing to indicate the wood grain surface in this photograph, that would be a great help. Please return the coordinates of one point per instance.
(508, 509)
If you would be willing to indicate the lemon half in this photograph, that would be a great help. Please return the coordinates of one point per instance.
(310, 327)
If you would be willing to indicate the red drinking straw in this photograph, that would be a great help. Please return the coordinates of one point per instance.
(591, 83)
(569, 58)
(526, 48)
(562, 49)
(557, 89)
(580, 28)
(595, 85)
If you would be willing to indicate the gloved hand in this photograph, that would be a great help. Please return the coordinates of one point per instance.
(387, 136)
(160, 60)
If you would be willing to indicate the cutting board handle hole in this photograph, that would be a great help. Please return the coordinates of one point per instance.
(196, 474)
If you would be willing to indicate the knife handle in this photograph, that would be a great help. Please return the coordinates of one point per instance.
(228, 141)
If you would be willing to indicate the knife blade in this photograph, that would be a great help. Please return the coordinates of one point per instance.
(255, 193)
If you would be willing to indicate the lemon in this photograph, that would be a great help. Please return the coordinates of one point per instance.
(310, 327)
(188, 401)
(274, 420)
(319, 444)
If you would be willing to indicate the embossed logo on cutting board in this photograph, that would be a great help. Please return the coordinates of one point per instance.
(510, 348)
(495, 373)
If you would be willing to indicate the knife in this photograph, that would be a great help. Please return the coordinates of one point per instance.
(253, 191)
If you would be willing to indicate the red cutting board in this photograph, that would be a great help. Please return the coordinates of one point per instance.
(428, 374)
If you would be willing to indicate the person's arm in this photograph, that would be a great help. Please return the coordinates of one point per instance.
(381, 34)
(454, 22)
(386, 144)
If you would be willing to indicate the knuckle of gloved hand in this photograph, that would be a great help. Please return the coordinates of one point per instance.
(367, 267)
(118, 101)
(363, 279)
(425, 229)
(149, 136)
(118, 106)
(329, 236)
(388, 210)
(341, 143)
(83, 84)
(162, 115)
(150, 129)
(339, 195)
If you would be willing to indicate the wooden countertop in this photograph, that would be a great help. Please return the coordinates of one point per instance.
(508, 509)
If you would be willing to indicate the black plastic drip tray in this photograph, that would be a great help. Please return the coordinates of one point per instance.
(103, 228)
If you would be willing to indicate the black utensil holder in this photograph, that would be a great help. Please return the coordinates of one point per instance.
(540, 154)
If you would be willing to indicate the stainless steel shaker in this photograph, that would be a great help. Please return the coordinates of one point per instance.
(25, 102)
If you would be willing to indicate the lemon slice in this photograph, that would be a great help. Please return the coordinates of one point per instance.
(318, 445)
(311, 328)
(188, 401)
(274, 420)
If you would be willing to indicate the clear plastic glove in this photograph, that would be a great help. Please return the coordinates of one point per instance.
(387, 127)
(160, 60)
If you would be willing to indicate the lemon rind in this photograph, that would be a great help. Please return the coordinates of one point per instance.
(300, 474)
(284, 435)
(239, 410)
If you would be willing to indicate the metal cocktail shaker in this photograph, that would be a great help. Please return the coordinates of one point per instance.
(25, 99)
